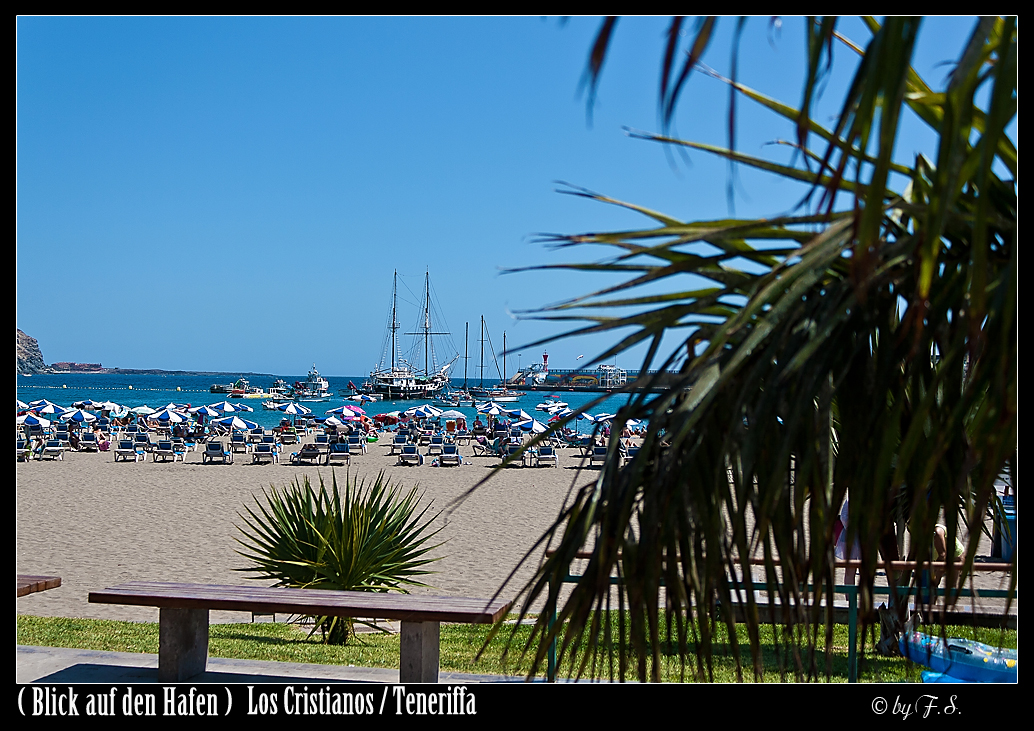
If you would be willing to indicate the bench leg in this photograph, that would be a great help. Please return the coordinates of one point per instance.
(419, 652)
(182, 643)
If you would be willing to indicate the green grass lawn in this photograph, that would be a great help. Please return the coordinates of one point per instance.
(284, 642)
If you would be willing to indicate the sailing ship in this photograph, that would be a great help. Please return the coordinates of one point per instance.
(499, 394)
(395, 377)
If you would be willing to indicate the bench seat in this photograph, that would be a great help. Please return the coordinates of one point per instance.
(183, 618)
(29, 584)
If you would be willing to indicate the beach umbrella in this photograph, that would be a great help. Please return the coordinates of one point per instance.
(49, 408)
(519, 414)
(33, 420)
(205, 411)
(295, 409)
(111, 406)
(346, 409)
(170, 416)
(175, 407)
(453, 414)
(243, 407)
(78, 415)
(22, 406)
(88, 404)
(533, 425)
(225, 407)
(143, 410)
(236, 422)
(362, 398)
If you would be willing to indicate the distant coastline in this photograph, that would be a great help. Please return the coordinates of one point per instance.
(152, 372)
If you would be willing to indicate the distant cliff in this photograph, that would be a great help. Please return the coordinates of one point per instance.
(30, 359)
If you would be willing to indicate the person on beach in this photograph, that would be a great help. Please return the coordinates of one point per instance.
(841, 551)
(102, 439)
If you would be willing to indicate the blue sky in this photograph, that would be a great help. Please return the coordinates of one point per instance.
(234, 194)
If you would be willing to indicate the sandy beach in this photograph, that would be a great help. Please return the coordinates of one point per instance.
(96, 523)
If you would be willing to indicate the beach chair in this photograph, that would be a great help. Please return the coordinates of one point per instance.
(410, 455)
(339, 452)
(436, 446)
(450, 455)
(310, 454)
(598, 454)
(238, 443)
(165, 451)
(357, 445)
(143, 441)
(289, 436)
(264, 452)
(127, 450)
(215, 451)
(510, 452)
(398, 443)
(88, 442)
(546, 456)
(323, 442)
(53, 450)
(23, 450)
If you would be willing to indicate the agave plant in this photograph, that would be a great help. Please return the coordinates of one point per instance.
(869, 349)
(359, 539)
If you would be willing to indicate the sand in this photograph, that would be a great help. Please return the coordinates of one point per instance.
(96, 523)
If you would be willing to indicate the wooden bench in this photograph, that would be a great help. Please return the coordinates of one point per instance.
(30, 584)
(183, 618)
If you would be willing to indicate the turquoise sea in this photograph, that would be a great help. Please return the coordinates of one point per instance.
(158, 391)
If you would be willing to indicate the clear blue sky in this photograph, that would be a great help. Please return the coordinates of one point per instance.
(234, 194)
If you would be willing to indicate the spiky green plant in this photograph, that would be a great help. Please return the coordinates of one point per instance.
(360, 539)
(867, 348)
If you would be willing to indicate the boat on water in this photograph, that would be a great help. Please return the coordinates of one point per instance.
(540, 377)
(395, 377)
(499, 394)
(314, 388)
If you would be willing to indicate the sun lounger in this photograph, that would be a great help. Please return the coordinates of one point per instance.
(436, 446)
(510, 453)
(357, 445)
(450, 455)
(23, 451)
(398, 443)
(309, 454)
(339, 452)
(410, 456)
(127, 450)
(289, 436)
(264, 452)
(88, 442)
(215, 451)
(53, 450)
(546, 456)
(598, 454)
(166, 451)
(238, 443)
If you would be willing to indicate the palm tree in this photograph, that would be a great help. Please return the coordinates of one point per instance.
(869, 350)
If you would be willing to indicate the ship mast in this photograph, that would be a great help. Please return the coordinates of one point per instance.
(394, 323)
(466, 338)
(482, 384)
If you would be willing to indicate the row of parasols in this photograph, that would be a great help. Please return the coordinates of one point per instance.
(43, 412)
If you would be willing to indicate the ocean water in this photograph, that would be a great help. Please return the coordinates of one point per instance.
(159, 391)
